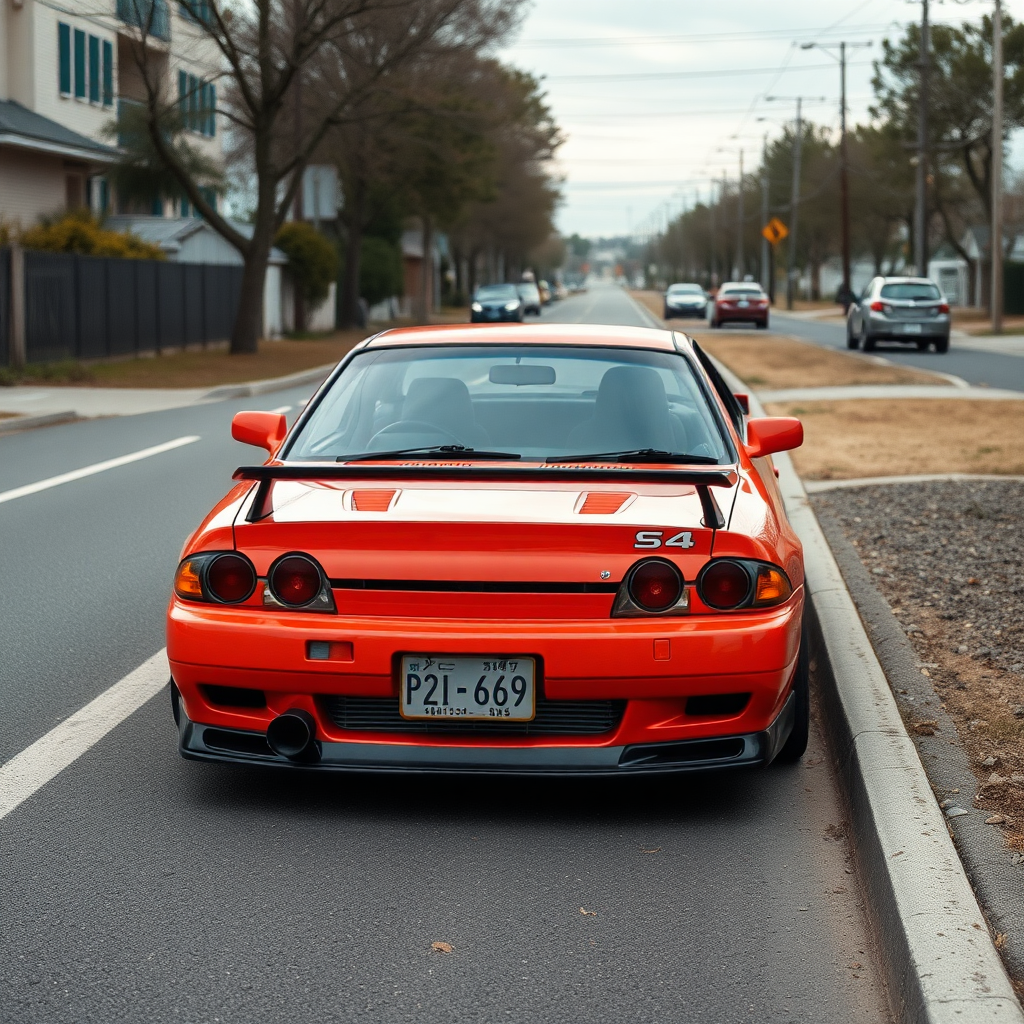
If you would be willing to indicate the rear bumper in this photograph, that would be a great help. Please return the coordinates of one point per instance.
(198, 742)
(896, 330)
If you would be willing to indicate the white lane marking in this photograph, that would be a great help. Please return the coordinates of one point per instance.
(282, 409)
(64, 744)
(98, 467)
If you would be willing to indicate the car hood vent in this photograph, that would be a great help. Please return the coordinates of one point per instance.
(603, 503)
(372, 500)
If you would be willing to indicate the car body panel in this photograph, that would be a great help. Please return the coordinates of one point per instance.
(503, 567)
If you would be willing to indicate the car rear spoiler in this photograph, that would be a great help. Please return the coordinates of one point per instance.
(702, 479)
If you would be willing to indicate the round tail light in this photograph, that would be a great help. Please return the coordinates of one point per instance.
(230, 578)
(724, 584)
(655, 585)
(295, 580)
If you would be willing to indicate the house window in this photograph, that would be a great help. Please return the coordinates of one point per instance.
(200, 11)
(108, 73)
(79, 64)
(64, 51)
(183, 97)
(94, 69)
(197, 103)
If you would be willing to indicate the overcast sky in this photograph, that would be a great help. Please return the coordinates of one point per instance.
(656, 97)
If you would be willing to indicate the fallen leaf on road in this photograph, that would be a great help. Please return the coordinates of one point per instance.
(656, 849)
(588, 913)
(996, 819)
(442, 947)
(1000, 940)
(925, 728)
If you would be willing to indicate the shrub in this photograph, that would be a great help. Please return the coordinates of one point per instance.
(80, 232)
(380, 270)
(311, 258)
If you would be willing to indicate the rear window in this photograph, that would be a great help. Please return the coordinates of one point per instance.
(909, 290)
(742, 290)
(535, 401)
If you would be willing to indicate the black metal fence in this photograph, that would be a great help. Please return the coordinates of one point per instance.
(86, 307)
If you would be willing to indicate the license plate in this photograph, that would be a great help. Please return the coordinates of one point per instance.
(743, 304)
(454, 686)
(911, 328)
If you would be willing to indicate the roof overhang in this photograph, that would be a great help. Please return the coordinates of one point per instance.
(93, 156)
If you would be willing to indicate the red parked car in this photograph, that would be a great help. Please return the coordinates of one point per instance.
(739, 301)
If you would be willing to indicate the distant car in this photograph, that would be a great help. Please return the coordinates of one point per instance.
(545, 291)
(739, 301)
(529, 295)
(685, 300)
(908, 309)
(560, 291)
(494, 303)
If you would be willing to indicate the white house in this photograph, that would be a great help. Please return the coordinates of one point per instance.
(65, 70)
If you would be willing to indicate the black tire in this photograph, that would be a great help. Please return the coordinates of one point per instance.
(713, 324)
(762, 325)
(868, 343)
(852, 341)
(923, 345)
(795, 747)
(666, 315)
(942, 345)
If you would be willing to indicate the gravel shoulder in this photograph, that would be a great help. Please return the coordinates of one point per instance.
(945, 557)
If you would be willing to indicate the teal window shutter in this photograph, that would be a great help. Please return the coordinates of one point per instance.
(193, 102)
(108, 73)
(94, 69)
(79, 63)
(213, 110)
(64, 49)
(183, 96)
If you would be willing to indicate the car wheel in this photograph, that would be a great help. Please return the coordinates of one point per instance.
(762, 325)
(942, 345)
(713, 324)
(852, 341)
(923, 345)
(866, 341)
(794, 747)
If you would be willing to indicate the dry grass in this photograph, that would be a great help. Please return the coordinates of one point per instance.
(876, 437)
(787, 363)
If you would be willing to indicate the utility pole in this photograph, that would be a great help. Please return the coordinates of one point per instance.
(921, 203)
(996, 242)
(794, 216)
(765, 280)
(739, 222)
(844, 184)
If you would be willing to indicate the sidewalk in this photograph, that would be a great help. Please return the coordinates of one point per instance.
(32, 403)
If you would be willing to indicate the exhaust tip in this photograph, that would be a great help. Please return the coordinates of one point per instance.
(292, 735)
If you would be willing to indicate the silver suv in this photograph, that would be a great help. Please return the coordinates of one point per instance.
(907, 309)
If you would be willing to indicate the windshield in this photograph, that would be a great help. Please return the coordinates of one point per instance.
(911, 290)
(529, 291)
(496, 291)
(686, 289)
(537, 402)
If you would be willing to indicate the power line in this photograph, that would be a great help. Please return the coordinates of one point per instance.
(716, 73)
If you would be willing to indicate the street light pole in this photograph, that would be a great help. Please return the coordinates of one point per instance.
(739, 222)
(996, 242)
(764, 213)
(794, 207)
(920, 205)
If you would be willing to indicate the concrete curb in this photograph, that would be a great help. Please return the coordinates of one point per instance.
(262, 387)
(887, 392)
(15, 423)
(939, 959)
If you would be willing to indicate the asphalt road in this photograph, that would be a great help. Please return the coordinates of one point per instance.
(140, 887)
(974, 366)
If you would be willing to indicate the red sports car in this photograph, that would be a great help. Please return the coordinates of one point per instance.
(544, 549)
(739, 302)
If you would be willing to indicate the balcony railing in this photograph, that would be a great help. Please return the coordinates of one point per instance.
(151, 16)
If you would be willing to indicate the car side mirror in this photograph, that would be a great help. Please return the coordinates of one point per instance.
(262, 429)
(767, 435)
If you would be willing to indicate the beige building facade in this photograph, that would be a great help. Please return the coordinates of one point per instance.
(66, 70)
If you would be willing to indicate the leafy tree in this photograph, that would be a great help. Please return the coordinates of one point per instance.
(380, 270)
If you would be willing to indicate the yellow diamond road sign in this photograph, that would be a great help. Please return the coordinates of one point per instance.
(775, 231)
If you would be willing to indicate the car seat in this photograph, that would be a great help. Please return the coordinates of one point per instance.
(631, 411)
(444, 402)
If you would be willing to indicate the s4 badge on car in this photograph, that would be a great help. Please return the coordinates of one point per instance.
(653, 539)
